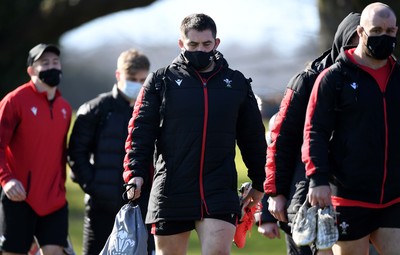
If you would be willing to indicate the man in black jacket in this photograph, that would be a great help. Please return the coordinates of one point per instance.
(96, 149)
(352, 138)
(286, 181)
(193, 113)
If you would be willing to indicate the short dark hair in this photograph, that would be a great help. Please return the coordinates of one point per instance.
(199, 22)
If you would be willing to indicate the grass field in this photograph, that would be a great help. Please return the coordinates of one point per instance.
(256, 244)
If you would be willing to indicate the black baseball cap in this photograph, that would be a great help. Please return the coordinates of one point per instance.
(36, 52)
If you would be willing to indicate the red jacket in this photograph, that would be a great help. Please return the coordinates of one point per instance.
(33, 145)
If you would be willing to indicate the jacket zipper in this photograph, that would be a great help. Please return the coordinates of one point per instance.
(386, 139)
(204, 139)
(51, 108)
(386, 150)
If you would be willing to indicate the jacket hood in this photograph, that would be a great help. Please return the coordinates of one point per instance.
(346, 29)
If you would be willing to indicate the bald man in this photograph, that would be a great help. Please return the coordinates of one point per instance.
(352, 138)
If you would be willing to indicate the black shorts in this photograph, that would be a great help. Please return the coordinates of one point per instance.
(19, 223)
(356, 222)
(165, 228)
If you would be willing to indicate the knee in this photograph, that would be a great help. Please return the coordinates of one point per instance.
(52, 250)
(215, 250)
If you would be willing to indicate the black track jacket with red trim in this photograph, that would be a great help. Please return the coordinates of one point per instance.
(284, 169)
(352, 136)
(194, 143)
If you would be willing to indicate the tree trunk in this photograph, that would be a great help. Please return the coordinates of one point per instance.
(332, 12)
(25, 23)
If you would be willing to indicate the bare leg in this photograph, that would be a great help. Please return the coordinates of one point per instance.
(356, 247)
(215, 236)
(172, 244)
(325, 252)
(386, 240)
(51, 250)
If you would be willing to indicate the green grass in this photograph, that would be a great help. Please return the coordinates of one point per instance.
(256, 244)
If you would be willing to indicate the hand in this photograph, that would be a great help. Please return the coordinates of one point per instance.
(277, 207)
(134, 193)
(14, 190)
(320, 195)
(270, 230)
(252, 198)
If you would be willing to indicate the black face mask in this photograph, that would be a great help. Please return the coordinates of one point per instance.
(51, 77)
(199, 59)
(381, 47)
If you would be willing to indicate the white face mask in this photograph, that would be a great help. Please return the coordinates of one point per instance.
(130, 88)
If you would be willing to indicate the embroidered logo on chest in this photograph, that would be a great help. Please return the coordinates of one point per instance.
(228, 83)
(34, 110)
(64, 113)
(178, 81)
(354, 85)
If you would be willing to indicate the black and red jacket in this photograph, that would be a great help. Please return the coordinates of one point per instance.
(194, 145)
(352, 135)
(285, 170)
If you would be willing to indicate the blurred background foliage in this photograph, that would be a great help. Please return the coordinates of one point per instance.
(25, 23)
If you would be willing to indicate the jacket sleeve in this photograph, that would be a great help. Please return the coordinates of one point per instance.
(143, 130)
(266, 216)
(319, 123)
(251, 140)
(287, 134)
(82, 144)
(9, 120)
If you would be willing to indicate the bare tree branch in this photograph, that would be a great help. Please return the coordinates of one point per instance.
(25, 23)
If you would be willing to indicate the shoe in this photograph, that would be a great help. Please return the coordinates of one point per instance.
(245, 225)
(243, 192)
(246, 220)
(327, 231)
(304, 229)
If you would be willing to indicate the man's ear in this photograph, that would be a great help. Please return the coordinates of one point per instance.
(30, 71)
(217, 42)
(360, 31)
(117, 75)
(180, 43)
